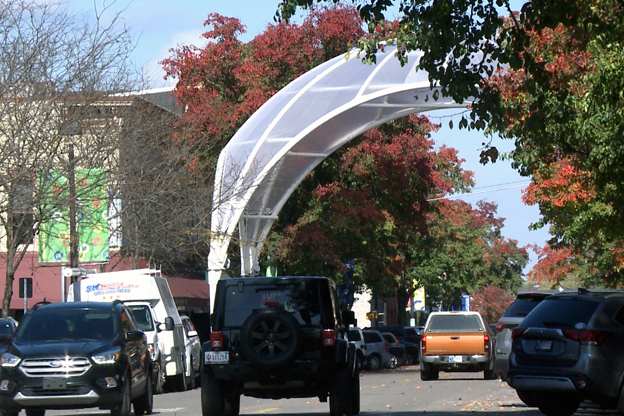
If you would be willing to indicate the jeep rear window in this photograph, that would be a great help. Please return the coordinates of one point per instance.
(450, 323)
(302, 301)
(561, 312)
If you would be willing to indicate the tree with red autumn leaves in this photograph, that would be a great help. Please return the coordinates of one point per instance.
(368, 202)
(549, 76)
(492, 302)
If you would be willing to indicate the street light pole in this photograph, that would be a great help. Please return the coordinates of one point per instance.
(73, 226)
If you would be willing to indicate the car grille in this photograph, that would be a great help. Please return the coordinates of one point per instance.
(55, 367)
(35, 391)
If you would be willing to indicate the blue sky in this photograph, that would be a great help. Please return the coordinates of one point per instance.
(164, 24)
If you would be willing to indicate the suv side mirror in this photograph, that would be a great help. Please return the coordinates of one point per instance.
(169, 325)
(348, 318)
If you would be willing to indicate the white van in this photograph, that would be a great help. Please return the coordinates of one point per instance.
(147, 294)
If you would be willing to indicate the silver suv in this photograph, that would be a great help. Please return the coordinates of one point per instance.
(524, 303)
(377, 350)
(569, 349)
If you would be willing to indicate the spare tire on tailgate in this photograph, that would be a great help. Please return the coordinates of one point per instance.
(270, 338)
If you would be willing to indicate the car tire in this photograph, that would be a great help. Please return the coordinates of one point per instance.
(123, 409)
(179, 380)
(374, 362)
(271, 338)
(527, 397)
(620, 404)
(144, 404)
(408, 360)
(192, 376)
(428, 375)
(340, 396)
(489, 374)
(394, 362)
(159, 380)
(232, 405)
(212, 395)
(355, 394)
(553, 404)
(34, 412)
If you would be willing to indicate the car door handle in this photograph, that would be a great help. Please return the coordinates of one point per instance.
(454, 337)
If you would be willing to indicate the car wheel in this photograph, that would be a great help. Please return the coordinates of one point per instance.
(232, 405)
(489, 374)
(355, 394)
(192, 377)
(408, 360)
(144, 404)
(374, 362)
(212, 396)
(123, 409)
(271, 338)
(35, 412)
(552, 404)
(340, 400)
(159, 380)
(527, 397)
(179, 380)
(393, 362)
(428, 375)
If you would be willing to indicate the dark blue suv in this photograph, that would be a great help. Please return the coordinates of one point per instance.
(76, 355)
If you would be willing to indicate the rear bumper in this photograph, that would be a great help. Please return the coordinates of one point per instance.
(549, 383)
(455, 362)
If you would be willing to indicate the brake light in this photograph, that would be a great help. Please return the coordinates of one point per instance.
(500, 326)
(486, 342)
(517, 332)
(329, 338)
(586, 337)
(423, 345)
(216, 340)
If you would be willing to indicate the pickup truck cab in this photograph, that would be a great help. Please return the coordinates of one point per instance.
(456, 341)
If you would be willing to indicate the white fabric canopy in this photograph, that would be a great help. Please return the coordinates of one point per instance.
(294, 131)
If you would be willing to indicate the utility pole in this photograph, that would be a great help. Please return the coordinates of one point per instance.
(73, 226)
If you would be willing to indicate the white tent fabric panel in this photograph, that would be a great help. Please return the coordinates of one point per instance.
(297, 129)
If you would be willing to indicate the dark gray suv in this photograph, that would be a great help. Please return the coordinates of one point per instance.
(569, 349)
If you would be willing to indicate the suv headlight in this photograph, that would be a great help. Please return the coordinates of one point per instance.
(108, 357)
(9, 360)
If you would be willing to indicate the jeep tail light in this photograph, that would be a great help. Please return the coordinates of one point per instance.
(517, 332)
(423, 344)
(586, 337)
(329, 338)
(500, 326)
(216, 340)
(486, 342)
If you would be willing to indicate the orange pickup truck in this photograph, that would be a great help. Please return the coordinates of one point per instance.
(456, 341)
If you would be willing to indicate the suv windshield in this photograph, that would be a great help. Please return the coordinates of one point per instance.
(59, 325)
(562, 312)
(301, 300)
(142, 317)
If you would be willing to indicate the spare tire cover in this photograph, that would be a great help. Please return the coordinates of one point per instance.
(270, 338)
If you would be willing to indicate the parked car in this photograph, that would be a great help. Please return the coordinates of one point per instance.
(409, 337)
(193, 351)
(77, 355)
(377, 350)
(355, 335)
(524, 303)
(398, 355)
(8, 326)
(568, 349)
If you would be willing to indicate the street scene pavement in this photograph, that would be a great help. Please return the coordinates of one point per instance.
(387, 392)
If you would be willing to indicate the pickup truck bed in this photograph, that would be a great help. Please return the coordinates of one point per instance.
(456, 341)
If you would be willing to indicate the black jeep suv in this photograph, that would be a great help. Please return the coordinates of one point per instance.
(76, 355)
(276, 338)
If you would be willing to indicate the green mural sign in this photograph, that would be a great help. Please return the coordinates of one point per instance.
(91, 216)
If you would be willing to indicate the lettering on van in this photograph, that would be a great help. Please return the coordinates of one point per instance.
(100, 289)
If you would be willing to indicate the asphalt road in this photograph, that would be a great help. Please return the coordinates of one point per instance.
(397, 392)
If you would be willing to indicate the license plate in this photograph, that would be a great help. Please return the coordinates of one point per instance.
(54, 383)
(543, 345)
(456, 359)
(216, 357)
